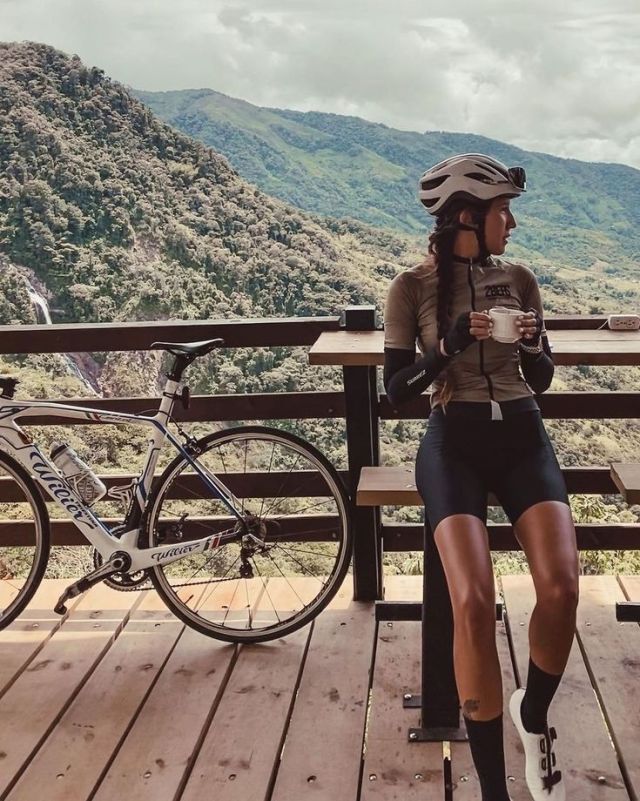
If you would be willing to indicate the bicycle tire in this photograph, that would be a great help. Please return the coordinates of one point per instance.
(17, 601)
(161, 503)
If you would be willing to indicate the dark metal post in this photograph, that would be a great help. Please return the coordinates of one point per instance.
(440, 703)
(361, 398)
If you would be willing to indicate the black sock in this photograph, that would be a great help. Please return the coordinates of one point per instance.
(541, 687)
(487, 750)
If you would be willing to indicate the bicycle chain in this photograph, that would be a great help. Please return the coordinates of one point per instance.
(186, 584)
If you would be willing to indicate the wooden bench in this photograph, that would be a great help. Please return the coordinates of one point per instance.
(627, 479)
(395, 486)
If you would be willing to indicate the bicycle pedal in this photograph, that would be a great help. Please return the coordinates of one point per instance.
(71, 592)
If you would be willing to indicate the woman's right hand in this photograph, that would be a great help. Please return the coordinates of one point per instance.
(467, 329)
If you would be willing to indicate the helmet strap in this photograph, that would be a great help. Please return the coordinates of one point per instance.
(480, 217)
(478, 229)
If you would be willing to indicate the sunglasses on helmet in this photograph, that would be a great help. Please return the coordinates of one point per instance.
(518, 177)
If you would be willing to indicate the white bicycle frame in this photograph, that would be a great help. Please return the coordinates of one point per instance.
(15, 442)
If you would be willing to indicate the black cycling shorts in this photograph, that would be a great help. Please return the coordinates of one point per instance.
(461, 459)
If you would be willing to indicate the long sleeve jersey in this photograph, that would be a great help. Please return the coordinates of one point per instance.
(486, 370)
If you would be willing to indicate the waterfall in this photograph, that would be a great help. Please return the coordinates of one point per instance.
(43, 316)
(42, 308)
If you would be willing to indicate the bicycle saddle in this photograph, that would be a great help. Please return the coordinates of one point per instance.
(188, 348)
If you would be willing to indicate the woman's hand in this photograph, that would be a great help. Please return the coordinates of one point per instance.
(530, 327)
(481, 325)
(467, 329)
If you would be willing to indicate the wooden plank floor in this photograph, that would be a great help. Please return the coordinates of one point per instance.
(119, 701)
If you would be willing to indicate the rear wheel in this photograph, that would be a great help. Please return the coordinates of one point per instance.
(24, 538)
(293, 543)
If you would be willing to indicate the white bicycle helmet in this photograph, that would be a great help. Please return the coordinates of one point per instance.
(472, 176)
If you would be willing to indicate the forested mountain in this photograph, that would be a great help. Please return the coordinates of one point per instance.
(574, 212)
(119, 216)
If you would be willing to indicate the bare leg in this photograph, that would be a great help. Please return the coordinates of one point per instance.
(463, 544)
(547, 535)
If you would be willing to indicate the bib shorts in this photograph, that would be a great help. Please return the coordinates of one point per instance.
(465, 454)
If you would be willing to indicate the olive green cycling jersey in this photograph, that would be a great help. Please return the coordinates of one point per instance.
(487, 370)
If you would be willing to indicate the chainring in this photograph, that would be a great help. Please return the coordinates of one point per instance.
(123, 582)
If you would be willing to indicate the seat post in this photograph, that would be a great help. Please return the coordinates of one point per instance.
(180, 363)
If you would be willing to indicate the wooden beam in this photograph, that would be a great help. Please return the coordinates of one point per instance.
(298, 484)
(312, 528)
(85, 337)
(627, 478)
(206, 408)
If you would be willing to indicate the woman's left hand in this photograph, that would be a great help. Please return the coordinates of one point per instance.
(530, 326)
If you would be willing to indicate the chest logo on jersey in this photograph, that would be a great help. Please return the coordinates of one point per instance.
(498, 291)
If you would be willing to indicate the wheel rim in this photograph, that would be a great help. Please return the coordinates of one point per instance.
(295, 545)
(21, 542)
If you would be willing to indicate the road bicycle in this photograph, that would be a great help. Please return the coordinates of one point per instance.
(246, 534)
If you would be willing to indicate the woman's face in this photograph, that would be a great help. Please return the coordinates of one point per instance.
(498, 224)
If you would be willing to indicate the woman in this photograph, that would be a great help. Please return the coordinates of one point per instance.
(485, 434)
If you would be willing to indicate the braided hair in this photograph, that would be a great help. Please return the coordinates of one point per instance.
(441, 244)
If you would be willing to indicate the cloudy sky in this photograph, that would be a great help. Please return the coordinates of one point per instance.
(559, 76)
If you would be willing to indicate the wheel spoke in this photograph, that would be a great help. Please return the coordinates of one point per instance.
(229, 605)
(246, 592)
(265, 588)
(278, 493)
(304, 509)
(299, 550)
(290, 584)
(217, 583)
(273, 450)
(303, 568)
(207, 562)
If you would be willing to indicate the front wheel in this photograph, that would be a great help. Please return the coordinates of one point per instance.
(291, 548)
(24, 538)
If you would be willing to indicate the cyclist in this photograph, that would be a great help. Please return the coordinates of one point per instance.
(485, 434)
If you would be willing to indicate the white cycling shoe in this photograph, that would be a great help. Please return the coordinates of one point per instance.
(544, 781)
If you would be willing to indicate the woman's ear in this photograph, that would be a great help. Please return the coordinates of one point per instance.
(466, 218)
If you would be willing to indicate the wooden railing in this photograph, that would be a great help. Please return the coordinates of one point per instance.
(360, 404)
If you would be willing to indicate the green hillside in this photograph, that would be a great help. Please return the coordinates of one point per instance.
(574, 212)
(119, 216)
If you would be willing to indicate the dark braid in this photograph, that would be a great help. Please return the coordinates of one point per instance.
(441, 243)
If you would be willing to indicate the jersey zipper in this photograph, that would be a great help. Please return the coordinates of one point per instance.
(481, 343)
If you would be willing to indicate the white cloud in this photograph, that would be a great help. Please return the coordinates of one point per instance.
(558, 78)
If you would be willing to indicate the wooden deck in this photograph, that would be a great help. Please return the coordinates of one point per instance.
(120, 701)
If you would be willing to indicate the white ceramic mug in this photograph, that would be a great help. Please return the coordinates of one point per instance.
(505, 326)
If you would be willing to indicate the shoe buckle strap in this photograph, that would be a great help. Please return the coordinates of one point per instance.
(548, 762)
(551, 779)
